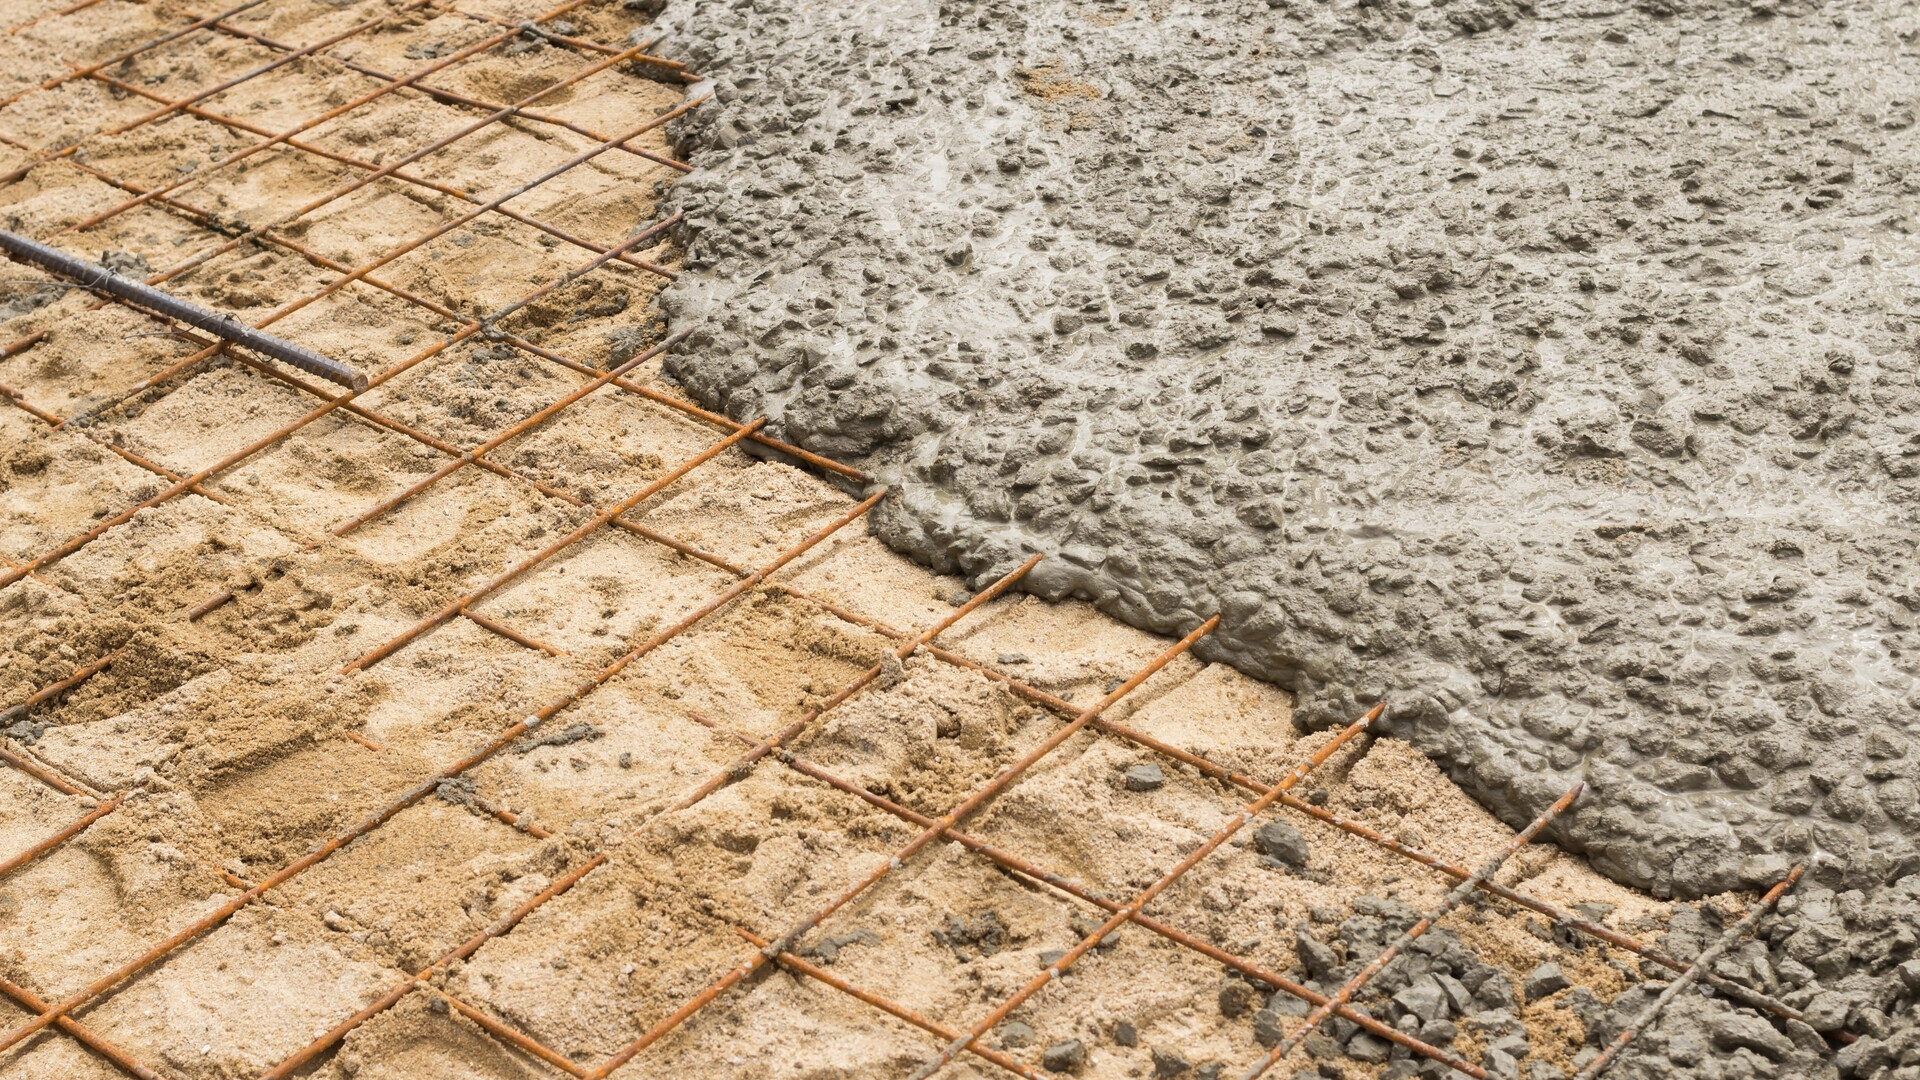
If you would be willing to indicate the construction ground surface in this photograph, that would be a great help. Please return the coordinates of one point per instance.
(341, 750)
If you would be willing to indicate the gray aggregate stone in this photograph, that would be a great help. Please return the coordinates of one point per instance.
(1438, 1032)
(1459, 998)
(1168, 1063)
(1283, 843)
(1064, 1056)
(1368, 1048)
(1237, 998)
(1268, 1029)
(1320, 961)
(1909, 974)
(1285, 1004)
(1827, 1012)
(1425, 999)
(1732, 1030)
(1546, 980)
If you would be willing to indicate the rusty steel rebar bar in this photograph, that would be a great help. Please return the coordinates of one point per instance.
(1744, 994)
(406, 799)
(82, 5)
(317, 259)
(999, 782)
(332, 404)
(1452, 900)
(1701, 963)
(215, 602)
(737, 768)
(720, 777)
(49, 692)
(22, 570)
(892, 1008)
(1025, 869)
(340, 110)
(792, 731)
(640, 390)
(74, 544)
(85, 1036)
(454, 607)
(121, 57)
(1133, 907)
(19, 400)
(19, 345)
(145, 296)
(363, 740)
(448, 226)
(8, 866)
(445, 312)
(213, 223)
(506, 1033)
(509, 633)
(411, 796)
(363, 181)
(449, 97)
(467, 948)
(173, 106)
(507, 434)
(38, 772)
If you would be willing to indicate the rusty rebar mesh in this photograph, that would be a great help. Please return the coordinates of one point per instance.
(284, 634)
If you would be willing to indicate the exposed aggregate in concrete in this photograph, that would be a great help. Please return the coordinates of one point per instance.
(1548, 370)
(1554, 379)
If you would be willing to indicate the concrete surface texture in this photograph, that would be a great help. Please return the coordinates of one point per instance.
(1547, 370)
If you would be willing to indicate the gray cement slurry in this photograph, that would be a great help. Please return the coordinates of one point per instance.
(1549, 369)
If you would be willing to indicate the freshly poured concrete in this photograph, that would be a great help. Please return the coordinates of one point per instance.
(1548, 372)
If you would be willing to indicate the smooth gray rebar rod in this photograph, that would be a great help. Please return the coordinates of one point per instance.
(146, 296)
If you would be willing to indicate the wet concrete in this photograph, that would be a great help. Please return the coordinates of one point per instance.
(1549, 371)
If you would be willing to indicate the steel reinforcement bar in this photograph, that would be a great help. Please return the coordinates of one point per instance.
(172, 106)
(1700, 963)
(454, 607)
(32, 1002)
(999, 782)
(19, 400)
(8, 866)
(121, 57)
(211, 222)
(449, 97)
(19, 571)
(892, 1008)
(1744, 994)
(733, 771)
(1031, 871)
(1132, 908)
(147, 297)
(404, 800)
(248, 151)
(1452, 900)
